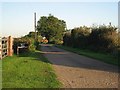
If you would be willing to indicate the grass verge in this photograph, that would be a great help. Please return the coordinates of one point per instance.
(28, 70)
(107, 58)
(0, 74)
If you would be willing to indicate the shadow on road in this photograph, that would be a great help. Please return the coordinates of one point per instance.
(61, 57)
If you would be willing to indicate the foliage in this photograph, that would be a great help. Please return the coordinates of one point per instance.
(77, 37)
(27, 40)
(67, 39)
(32, 35)
(52, 28)
(102, 38)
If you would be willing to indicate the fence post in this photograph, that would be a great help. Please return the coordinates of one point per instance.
(10, 46)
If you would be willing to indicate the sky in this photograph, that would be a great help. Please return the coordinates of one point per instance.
(17, 18)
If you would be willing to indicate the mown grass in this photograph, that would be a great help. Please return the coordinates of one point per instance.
(107, 58)
(0, 74)
(28, 70)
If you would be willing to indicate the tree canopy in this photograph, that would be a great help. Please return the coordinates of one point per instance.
(51, 27)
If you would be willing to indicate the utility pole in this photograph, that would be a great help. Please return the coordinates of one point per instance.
(35, 26)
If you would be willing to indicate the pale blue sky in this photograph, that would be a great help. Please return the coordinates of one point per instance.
(18, 17)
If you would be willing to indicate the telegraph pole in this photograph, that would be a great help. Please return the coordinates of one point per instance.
(35, 26)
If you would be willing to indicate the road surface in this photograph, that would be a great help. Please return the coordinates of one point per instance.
(76, 71)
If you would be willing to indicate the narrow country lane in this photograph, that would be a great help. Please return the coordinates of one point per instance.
(76, 71)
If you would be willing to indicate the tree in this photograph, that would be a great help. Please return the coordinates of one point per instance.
(31, 34)
(79, 36)
(67, 39)
(52, 28)
(103, 38)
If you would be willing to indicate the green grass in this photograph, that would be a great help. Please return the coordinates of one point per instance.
(29, 70)
(107, 58)
(0, 74)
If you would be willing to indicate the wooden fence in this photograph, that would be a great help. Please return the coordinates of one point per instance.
(6, 44)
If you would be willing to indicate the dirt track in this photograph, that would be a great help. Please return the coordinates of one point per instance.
(76, 71)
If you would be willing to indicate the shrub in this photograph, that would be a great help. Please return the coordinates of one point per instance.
(102, 38)
(26, 40)
(67, 39)
(79, 36)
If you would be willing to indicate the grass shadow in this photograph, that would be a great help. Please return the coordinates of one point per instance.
(30, 70)
(37, 55)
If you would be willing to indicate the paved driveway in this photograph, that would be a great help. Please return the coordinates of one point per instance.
(76, 71)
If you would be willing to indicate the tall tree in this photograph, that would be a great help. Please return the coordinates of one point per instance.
(51, 27)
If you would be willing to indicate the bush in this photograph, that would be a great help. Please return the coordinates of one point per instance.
(79, 36)
(101, 39)
(67, 41)
(26, 40)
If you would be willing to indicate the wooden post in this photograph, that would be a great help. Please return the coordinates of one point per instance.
(10, 46)
(35, 25)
